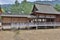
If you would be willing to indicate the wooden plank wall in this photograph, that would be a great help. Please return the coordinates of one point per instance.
(14, 19)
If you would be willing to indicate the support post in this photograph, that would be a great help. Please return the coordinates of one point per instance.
(37, 22)
(36, 27)
(46, 24)
(54, 24)
(28, 26)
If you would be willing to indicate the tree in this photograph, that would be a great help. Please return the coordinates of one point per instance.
(25, 1)
(15, 8)
(16, 2)
(57, 7)
(23, 8)
(0, 9)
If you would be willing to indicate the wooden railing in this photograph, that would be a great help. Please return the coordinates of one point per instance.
(36, 24)
(23, 25)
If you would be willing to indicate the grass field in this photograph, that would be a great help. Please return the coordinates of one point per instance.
(42, 34)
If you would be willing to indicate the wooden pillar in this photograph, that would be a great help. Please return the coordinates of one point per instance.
(1, 22)
(28, 25)
(54, 24)
(45, 23)
(50, 21)
(37, 21)
(11, 22)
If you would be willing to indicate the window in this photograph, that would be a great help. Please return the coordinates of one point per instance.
(39, 20)
(43, 20)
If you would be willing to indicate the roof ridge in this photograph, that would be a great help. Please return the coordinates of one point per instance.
(43, 4)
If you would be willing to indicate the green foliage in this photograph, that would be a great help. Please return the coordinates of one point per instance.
(0, 7)
(25, 1)
(20, 8)
(23, 8)
(15, 9)
(27, 7)
(16, 3)
(57, 7)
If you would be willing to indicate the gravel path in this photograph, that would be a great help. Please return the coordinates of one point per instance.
(42, 34)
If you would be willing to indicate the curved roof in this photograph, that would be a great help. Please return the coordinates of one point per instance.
(44, 8)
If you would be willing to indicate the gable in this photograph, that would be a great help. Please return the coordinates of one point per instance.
(34, 9)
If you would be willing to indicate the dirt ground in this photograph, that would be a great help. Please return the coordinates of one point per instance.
(42, 34)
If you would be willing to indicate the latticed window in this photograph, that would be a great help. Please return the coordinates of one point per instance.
(6, 23)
